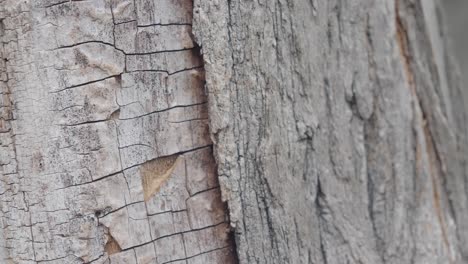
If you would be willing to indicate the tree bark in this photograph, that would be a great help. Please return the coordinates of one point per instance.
(334, 131)
(106, 154)
(339, 130)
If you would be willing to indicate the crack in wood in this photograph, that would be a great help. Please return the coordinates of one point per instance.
(421, 120)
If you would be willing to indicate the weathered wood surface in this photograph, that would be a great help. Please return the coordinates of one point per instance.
(339, 130)
(105, 150)
(338, 126)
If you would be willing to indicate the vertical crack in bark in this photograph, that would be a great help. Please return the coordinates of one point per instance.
(232, 258)
(320, 212)
(371, 138)
(435, 165)
(6, 117)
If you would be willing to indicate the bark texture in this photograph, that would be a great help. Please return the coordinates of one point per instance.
(339, 130)
(105, 149)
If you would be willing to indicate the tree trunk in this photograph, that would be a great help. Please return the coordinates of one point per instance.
(339, 130)
(334, 131)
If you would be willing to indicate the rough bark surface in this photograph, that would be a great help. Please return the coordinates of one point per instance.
(339, 130)
(105, 150)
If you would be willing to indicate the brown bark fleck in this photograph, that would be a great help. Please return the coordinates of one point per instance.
(155, 173)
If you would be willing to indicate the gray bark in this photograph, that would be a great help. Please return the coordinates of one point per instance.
(339, 129)
(334, 130)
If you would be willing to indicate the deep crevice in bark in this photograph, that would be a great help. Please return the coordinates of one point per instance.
(232, 239)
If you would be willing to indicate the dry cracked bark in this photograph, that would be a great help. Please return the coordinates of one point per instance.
(105, 149)
(338, 129)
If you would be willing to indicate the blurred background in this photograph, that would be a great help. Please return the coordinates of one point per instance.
(456, 18)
